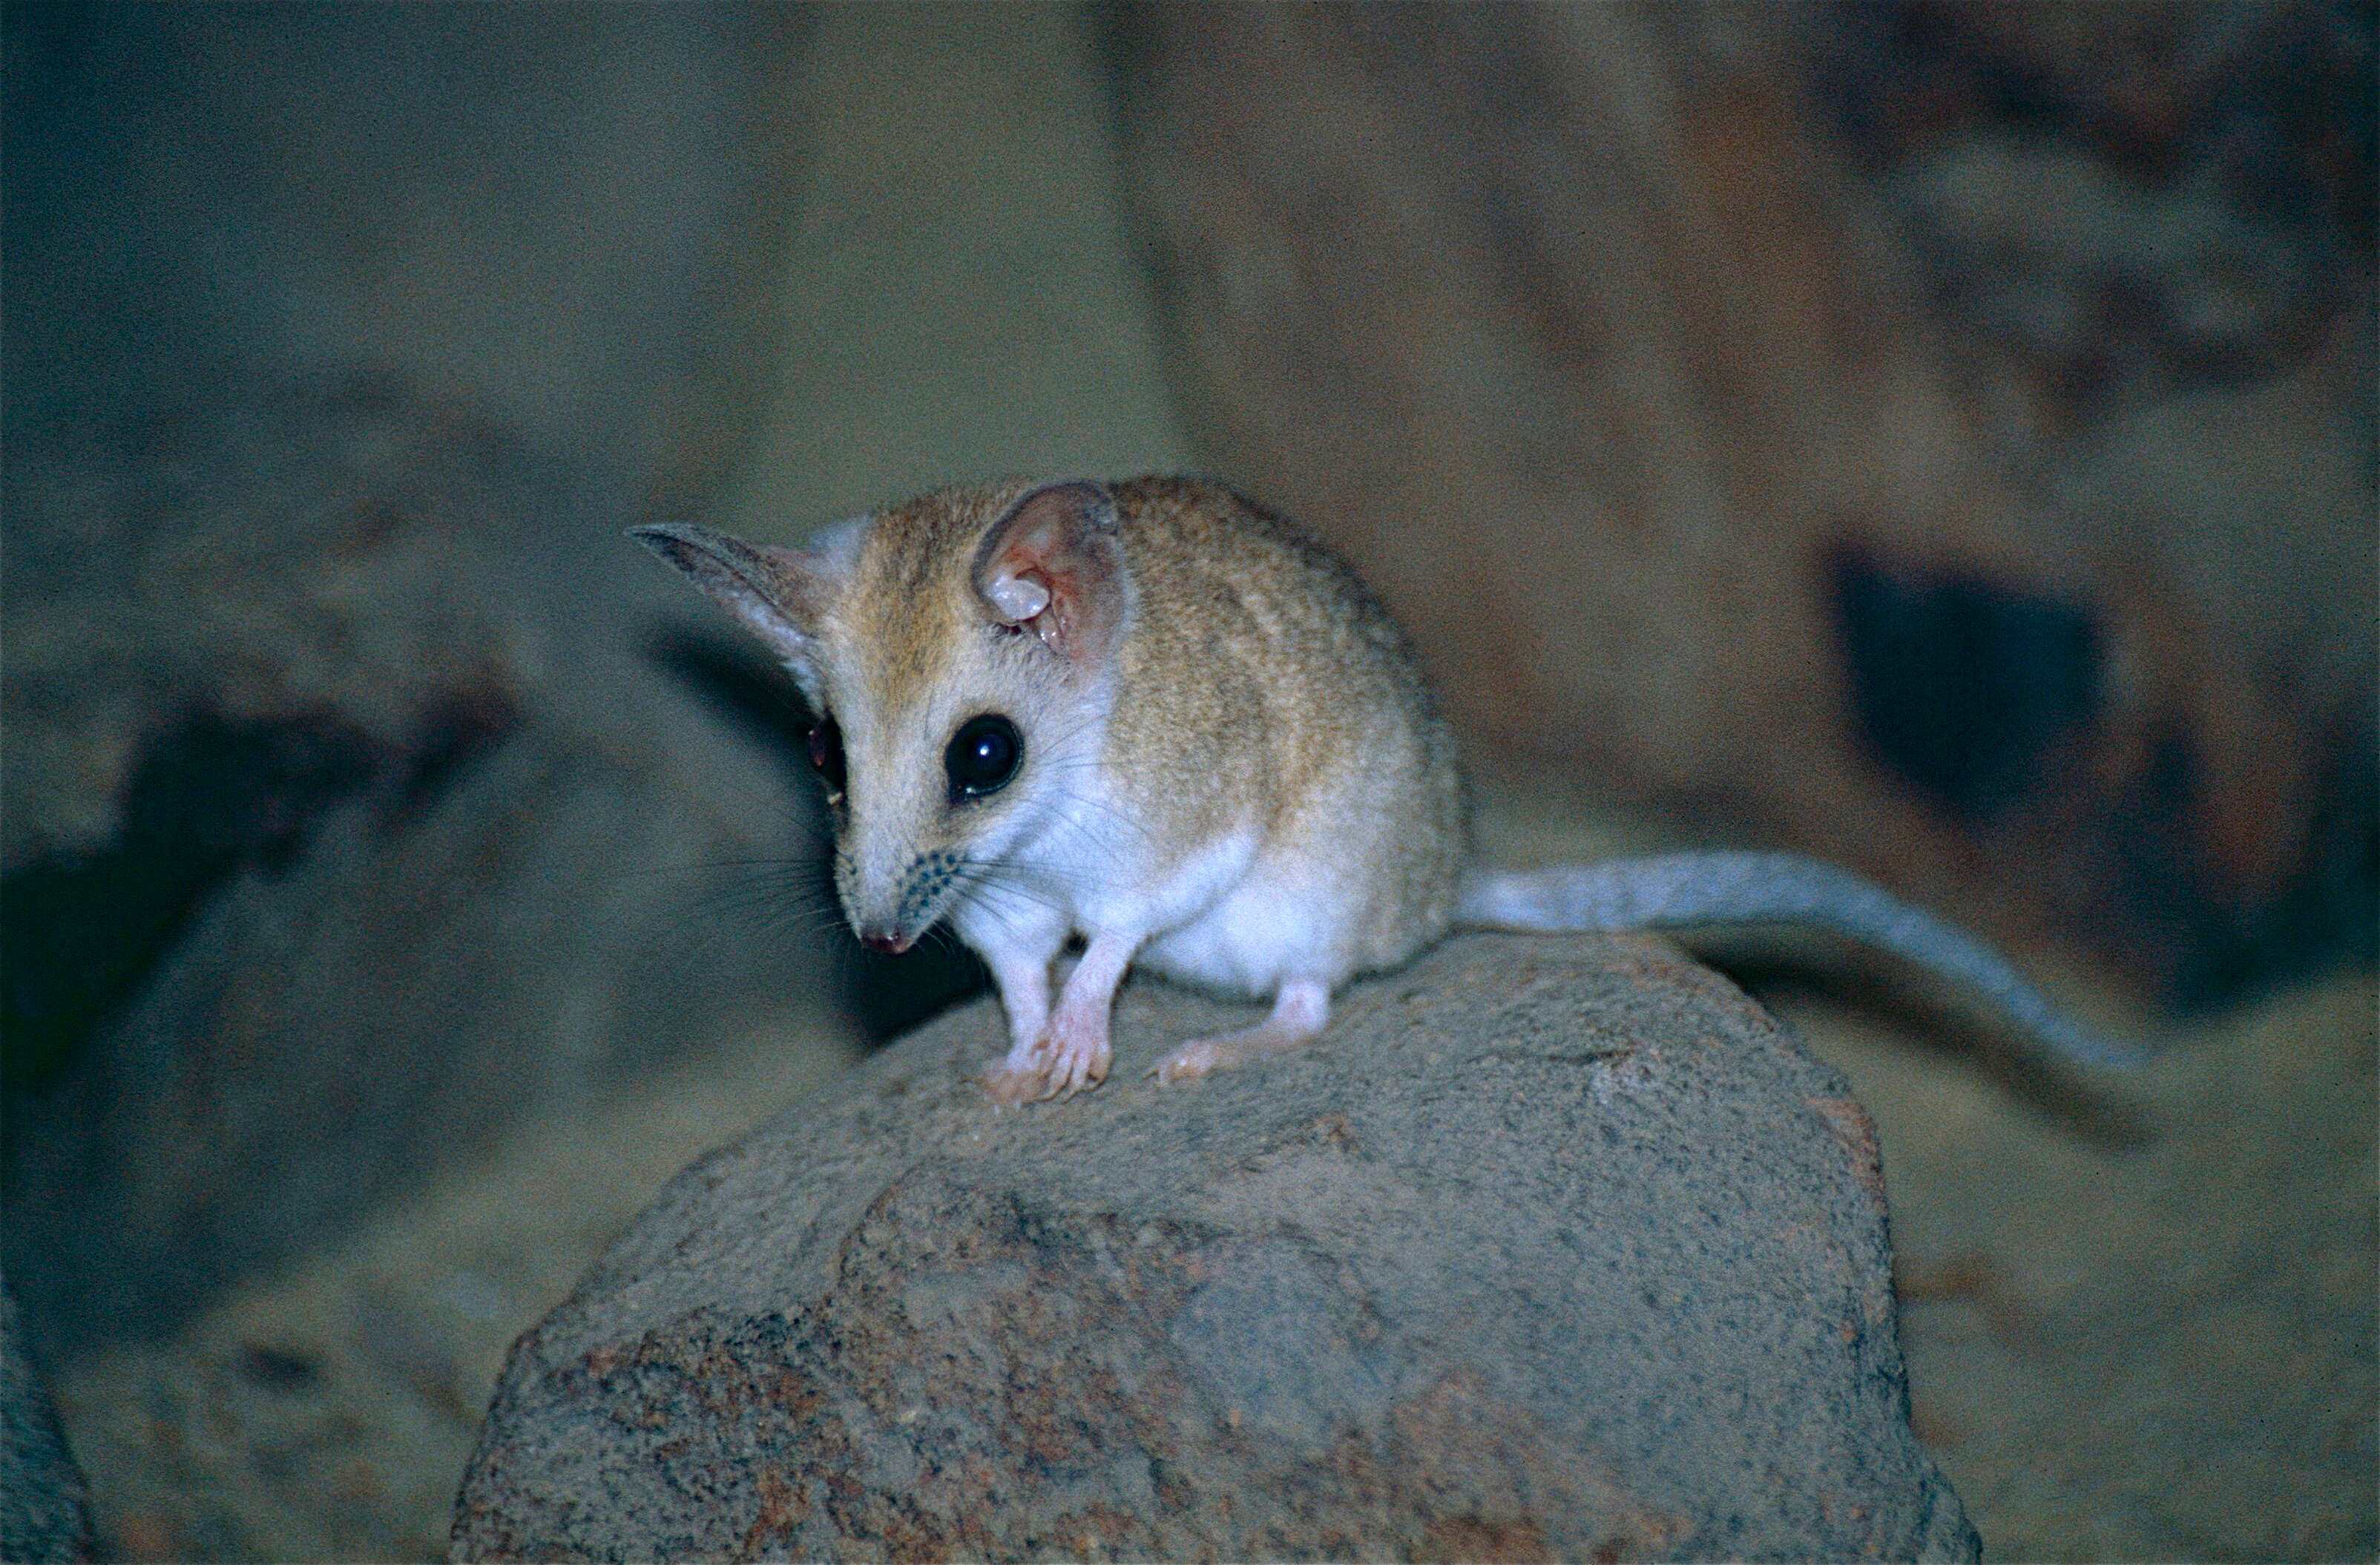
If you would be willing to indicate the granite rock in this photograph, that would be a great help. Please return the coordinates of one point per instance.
(1552, 1248)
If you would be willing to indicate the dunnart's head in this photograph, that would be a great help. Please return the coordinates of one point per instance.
(957, 650)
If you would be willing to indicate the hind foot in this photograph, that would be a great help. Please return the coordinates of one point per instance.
(1299, 1013)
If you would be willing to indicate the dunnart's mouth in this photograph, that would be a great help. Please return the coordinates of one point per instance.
(891, 942)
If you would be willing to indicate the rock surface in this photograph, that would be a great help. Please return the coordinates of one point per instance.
(45, 1513)
(1551, 1249)
(398, 793)
(363, 787)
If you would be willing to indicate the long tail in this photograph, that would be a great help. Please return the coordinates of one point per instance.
(1679, 890)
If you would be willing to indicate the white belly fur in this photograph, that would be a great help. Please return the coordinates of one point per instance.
(1253, 936)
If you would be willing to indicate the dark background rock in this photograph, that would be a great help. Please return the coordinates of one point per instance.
(44, 1514)
(1939, 437)
(359, 774)
(573, 227)
(395, 786)
(1552, 1249)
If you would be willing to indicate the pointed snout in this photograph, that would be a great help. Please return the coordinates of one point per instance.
(892, 891)
(876, 898)
(884, 914)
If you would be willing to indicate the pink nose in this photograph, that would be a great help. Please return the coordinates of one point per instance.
(893, 945)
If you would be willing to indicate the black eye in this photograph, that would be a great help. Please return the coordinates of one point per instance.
(826, 755)
(982, 756)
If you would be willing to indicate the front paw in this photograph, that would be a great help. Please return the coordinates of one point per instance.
(1058, 1064)
(1010, 1084)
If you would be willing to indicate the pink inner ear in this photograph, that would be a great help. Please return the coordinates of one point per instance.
(1018, 598)
(1052, 564)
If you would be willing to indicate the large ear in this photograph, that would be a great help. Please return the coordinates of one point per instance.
(780, 594)
(1051, 565)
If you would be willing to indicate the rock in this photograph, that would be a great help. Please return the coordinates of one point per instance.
(551, 221)
(1778, 416)
(45, 1513)
(1554, 1248)
(360, 788)
(364, 787)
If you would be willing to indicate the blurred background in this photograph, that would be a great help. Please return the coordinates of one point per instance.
(1936, 437)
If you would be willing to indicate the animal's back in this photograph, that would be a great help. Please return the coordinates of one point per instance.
(1264, 688)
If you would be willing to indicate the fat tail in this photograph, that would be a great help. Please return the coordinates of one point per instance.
(1680, 891)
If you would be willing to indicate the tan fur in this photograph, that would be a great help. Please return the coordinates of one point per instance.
(1261, 676)
(1232, 771)
(1229, 767)
(1257, 679)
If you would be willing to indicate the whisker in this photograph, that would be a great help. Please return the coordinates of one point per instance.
(989, 893)
(1021, 879)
